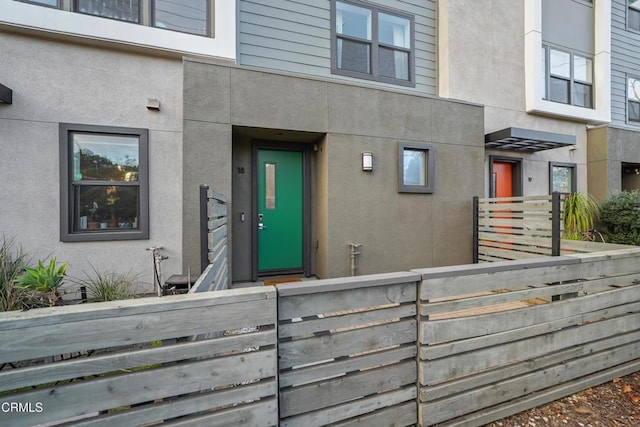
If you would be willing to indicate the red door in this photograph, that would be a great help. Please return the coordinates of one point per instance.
(503, 179)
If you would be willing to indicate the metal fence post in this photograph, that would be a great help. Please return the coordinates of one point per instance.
(204, 227)
(475, 229)
(555, 224)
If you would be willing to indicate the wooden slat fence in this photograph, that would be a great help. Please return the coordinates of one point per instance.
(516, 228)
(135, 362)
(347, 351)
(494, 341)
(214, 242)
(458, 346)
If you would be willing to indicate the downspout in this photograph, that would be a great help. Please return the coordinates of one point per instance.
(353, 256)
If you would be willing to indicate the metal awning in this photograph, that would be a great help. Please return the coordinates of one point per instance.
(527, 140)
(6, 95)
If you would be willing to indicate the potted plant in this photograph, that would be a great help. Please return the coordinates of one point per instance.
(93, 218)
(112, 198)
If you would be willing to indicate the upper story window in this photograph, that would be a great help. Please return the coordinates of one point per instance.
(51, 3)
(372, 43)
(187, 16)
(123, 10)
(633, 15)
(633, 100)
(567, 77)
(104, 183)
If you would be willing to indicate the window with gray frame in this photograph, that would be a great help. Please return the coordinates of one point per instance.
(562, 177)
(372, 43)
(633, 15)
(50, 3)
(415, 168)
(122, 10)
(633, 100)
(567, 77)
(190, 16)
(104, 183)
(186, 16)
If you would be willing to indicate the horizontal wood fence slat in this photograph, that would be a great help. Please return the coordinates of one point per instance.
(520, 228)
(140, 357)
(214, 242)
(490, 342)
(461, 345)
(338, 347)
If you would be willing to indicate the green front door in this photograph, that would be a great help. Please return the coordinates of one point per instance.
(280, 218)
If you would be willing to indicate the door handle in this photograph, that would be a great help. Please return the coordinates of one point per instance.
(261, 226)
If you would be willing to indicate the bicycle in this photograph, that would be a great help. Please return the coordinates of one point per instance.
(157, 269)
(593, 235)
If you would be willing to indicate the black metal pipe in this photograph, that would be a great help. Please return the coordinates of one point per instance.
(475, 229)
(555, 224)
(204, 227)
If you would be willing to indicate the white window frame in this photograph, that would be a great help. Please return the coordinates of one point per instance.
(535, 104)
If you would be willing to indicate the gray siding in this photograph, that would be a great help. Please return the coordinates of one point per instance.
(625, 59)
(295, 36)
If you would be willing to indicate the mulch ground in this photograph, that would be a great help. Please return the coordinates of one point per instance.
(615, 403)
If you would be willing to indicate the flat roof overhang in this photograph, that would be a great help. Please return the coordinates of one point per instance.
(6, 95)
(527, 140)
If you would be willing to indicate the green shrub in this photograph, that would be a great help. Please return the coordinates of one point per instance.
(620, 214)
(12, 264)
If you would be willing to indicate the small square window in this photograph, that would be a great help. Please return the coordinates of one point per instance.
(415, 168)
(562, 178)
(104, 183)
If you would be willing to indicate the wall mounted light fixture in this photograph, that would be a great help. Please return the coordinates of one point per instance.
(153, 104)
(6, 95)
(367, 161)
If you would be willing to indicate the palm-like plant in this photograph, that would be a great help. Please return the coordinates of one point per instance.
(578, 215)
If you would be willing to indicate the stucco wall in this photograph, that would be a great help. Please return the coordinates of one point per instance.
(484, 63)
(399, 231)
(57, 82)
(609, 147)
